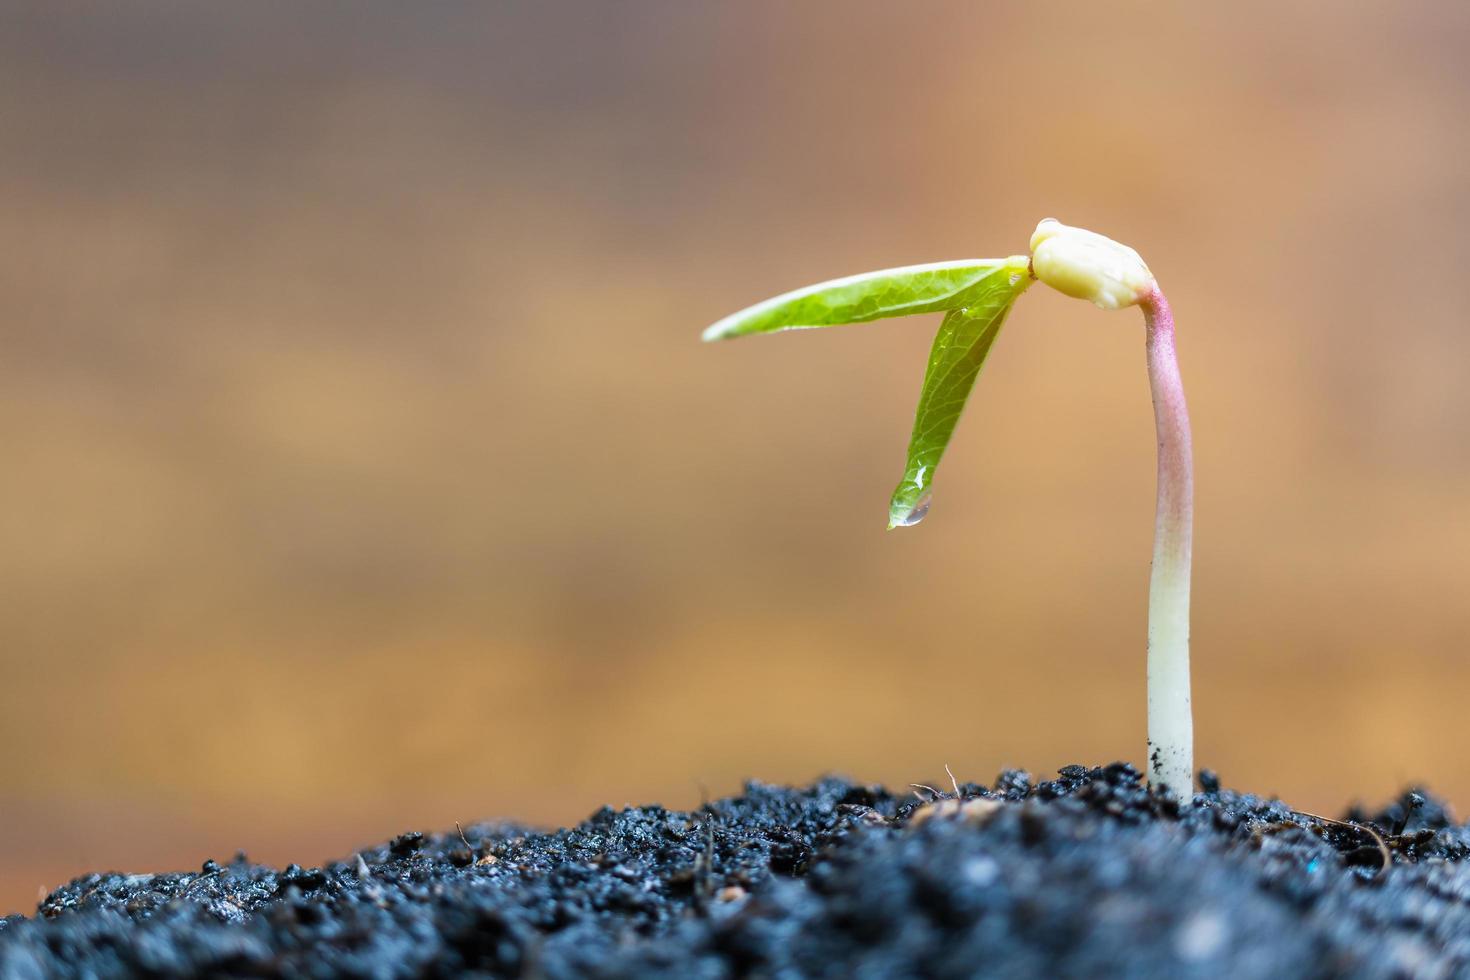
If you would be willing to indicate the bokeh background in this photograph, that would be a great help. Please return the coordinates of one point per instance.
(363, 471)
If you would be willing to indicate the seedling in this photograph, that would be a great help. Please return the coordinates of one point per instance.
(975, 297)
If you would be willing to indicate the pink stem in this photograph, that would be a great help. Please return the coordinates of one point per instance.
(1170, 716)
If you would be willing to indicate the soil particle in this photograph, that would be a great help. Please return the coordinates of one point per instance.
(1087, 874)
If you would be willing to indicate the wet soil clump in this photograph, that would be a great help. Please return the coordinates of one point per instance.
(1082, 875)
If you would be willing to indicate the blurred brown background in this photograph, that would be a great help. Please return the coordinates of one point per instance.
(363, 471)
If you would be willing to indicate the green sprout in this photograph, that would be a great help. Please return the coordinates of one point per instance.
(975, 296)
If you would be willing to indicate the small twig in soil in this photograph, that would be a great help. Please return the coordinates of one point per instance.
(918, 786)
(705, 864)
(1383, 851)
(709, 853)
(198, 878)
(953, 782)
(1414, 802)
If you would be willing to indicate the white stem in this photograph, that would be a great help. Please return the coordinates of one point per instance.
(1170, 716)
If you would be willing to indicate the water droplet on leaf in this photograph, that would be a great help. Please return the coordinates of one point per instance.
(916, 513)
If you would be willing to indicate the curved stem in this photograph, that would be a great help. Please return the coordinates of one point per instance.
(1170, 716)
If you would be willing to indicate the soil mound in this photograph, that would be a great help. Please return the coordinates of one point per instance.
(1082, 875)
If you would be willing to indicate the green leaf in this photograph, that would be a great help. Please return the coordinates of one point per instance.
(874, 295)
(959, 351)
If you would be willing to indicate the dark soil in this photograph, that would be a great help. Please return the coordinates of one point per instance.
(1082, 876)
